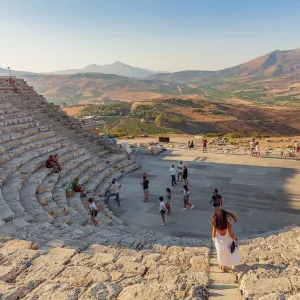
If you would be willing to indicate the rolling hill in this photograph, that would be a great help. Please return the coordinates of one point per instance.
(272, 64)
(270, 80)
(84, 88)
(193, 117)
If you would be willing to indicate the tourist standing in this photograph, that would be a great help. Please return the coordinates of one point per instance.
(257, 150)
(173, 175)
(223, 236)
(204, 145)
(113, 190)
(168, 200)
(192, 144)
(179, 171)
(162, 209)
(186, 198)
(185, 175)
(145, 185)
(93, 211)
(252, 146)
(189, 144)
(216, 199)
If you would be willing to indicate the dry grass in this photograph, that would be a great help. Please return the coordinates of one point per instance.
(73, 110)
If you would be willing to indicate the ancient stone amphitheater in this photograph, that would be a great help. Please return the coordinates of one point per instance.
(49, 249)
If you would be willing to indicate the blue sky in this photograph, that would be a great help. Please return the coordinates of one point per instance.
(162, 35)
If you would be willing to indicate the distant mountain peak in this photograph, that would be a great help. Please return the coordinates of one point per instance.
(116, 68)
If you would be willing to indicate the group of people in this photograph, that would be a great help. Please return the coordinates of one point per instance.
(222, 232)
(191, 145)
(182, 173)
(112, 190)
(53, 163)
(165, 205)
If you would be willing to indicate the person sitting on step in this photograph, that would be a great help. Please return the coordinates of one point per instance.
(93, 211)
(51, 164)
(78, 188)
(55, 159)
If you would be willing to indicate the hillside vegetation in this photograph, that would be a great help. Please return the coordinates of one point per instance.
(272, 80)
(191, 116)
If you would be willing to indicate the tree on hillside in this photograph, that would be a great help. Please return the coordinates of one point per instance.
(160, 119)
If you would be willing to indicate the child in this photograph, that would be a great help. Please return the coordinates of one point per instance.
(162, 209)
(217, 200)
(93, 211)
(186, 197)
(168, 200)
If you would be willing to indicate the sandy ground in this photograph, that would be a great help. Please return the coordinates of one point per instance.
(274, 142)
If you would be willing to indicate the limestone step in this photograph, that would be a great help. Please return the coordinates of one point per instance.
(16, 120)
(222, 285)
(12, 165)
(12, 186)
(30, 188)
(27, 139)
(6, 137)
(225, 292)
(26, 147)
(18, 127)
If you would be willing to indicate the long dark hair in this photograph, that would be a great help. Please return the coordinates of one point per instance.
(186, 187)
(222, 218)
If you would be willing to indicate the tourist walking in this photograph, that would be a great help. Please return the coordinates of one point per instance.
(179, 171)
(189, 144)
(173, 175)
(216, 200)
(257, 150)
(93, 211)
(252, 146)
(204, 145)
(162, 209)
(186, 198)
(113, 190)
(145, 185)
(168, 200)
(185, 175)
(223, 237)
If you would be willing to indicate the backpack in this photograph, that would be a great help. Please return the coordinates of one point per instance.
(217, 200)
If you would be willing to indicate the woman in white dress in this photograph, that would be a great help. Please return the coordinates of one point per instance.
(223, 236)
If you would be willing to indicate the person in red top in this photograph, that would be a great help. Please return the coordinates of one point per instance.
(56, 162)
(50, 163)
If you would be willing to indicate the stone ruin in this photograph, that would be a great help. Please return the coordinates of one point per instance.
(49, 249)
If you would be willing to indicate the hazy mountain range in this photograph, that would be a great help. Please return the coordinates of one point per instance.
(272, 79)
(271, 64)
(117, 68)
